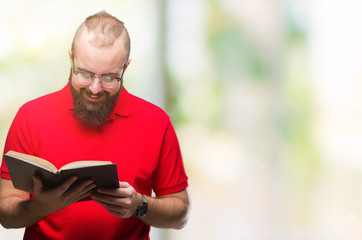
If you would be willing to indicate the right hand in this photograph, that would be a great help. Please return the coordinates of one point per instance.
(47, 201)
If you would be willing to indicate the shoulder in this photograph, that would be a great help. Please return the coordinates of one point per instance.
(142, 108)
(146, 106)
(42, 104)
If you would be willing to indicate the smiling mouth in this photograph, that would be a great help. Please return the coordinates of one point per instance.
(94, 98)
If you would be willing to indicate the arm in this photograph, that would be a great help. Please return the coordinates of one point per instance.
(18, 210)
(165, 211)
(168, 211)
(12, 205)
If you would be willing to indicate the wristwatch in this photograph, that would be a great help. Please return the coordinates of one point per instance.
(142, 209)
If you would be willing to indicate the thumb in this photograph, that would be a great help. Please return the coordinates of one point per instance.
(124, 184)
(37, 184)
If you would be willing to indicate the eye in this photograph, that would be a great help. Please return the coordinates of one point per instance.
(108, 78)
(87, 75)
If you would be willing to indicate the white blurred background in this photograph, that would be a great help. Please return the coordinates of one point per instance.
(264, 95)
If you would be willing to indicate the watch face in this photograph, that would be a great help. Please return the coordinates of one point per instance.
(142, 210)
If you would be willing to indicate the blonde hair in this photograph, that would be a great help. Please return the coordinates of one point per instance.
(105, 28)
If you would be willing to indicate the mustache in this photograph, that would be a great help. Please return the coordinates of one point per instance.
(89, 92)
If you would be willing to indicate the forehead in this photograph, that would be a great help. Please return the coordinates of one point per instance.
(97, 59)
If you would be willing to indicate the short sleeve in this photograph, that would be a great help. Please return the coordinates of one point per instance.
(18, 139)
(170, 176)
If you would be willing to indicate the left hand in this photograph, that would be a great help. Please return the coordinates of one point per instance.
(121, 202)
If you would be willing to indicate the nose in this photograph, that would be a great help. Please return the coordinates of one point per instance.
(96, 86)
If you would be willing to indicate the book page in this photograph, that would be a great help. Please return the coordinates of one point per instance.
(80, 164)
(33, 160)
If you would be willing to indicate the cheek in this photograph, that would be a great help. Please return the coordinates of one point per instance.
(113, 91)
(76, 86)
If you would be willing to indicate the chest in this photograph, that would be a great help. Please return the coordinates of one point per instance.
(133, 145)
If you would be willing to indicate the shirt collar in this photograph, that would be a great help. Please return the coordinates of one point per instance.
(121, 108)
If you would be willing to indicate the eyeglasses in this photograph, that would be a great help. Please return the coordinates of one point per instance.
(107, 81)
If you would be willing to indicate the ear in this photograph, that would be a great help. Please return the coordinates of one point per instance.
(70, 54)
(128, 62)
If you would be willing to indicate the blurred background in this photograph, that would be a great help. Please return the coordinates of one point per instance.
(265, 96)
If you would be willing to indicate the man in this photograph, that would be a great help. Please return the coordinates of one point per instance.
(94, 118)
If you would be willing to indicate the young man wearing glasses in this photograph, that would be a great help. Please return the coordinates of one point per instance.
(94, 117)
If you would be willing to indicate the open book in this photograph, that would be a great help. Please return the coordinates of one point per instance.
(23, 166)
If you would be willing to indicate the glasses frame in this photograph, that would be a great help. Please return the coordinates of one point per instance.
(94, 76)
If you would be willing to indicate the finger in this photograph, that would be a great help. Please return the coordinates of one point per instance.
(117, 210)
(117, 192)
(105, 198)
(81, 187)
(124, 184)
(121, 185)
(91, 187)
(108, 205)
(116, 202)
(88, 190)
(83, 196)
(74, 195)
(66, 184)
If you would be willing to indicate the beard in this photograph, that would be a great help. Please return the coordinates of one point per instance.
(92, 114)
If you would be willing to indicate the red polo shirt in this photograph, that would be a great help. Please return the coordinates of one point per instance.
(138, 136)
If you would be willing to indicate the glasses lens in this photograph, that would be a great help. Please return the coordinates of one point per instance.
(108, 81)
(85, 78)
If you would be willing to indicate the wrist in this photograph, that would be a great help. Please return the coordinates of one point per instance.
(142, 208)
(36, 209)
